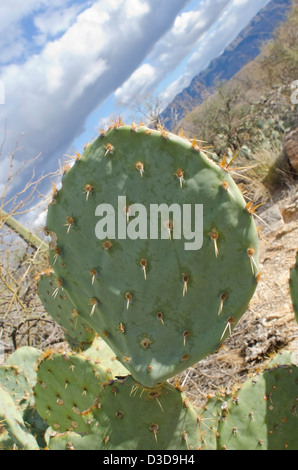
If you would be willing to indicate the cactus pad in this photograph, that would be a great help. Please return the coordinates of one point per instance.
(16, 383)
(263, 415)
(12, 422)
(159, 302)
(57, 304)
(128, 417)
(101, 354)
(25, 359)
(208, 418)
(67, 385)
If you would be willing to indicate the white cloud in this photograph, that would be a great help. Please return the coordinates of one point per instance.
(13, 44)
(134, 8)
(185, 34)
(51, 23)
(137, 82)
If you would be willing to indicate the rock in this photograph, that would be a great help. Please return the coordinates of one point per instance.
(291, 148)
(272, 220)
(245, 152)
(290, 212)
(290, 209)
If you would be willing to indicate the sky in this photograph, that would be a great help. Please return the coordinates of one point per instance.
(67, 65)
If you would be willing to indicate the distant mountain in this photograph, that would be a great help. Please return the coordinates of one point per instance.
(241, 51)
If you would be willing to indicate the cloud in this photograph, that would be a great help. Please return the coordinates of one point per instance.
(135, 85)
(52, 93)
(186, 33)
(53, 22)
(13, 42)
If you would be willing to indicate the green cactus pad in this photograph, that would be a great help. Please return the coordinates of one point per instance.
(25, 359)
(263, 415)
(101, 354)
(67, 385)
(77, 332)
(294, 286)
(11, 422)
(159, 306)
(208, 419)
(16, 383)
(128, 417)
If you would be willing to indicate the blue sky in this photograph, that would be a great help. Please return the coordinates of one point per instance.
(66, 65)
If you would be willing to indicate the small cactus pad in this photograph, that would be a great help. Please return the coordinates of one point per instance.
(17, 385)
(57, 304)
(294, 286)
(101, 354)
(26, 359)
(264, 414)
(128, 417)
(160, 300)
(11, 422)
(67, 385)
(208, 419)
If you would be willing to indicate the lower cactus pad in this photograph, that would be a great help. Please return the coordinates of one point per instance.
(263, 415)
(128, 417)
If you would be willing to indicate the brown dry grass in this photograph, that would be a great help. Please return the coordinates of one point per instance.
(23, 320)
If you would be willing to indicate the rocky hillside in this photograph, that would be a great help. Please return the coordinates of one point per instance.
(245, 48)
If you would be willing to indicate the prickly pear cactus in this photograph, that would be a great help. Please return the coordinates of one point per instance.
(18, 376)
(263, 415)
(17, 384)
(294, 286)
(208, 418)
(12, 427)
(101, 354)
(25, 359)
(79, 335)
(127, 417)
(67, 385)
(165, 294)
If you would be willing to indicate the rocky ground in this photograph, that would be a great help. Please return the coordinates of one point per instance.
(269, 326)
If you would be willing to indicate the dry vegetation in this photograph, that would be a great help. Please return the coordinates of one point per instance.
(23, 320)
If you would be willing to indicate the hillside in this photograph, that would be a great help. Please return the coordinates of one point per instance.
(244, 48)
